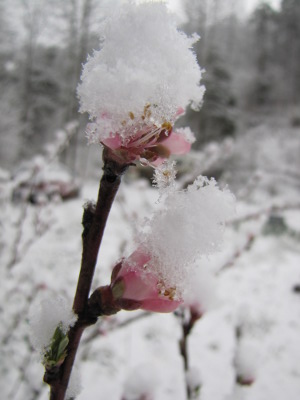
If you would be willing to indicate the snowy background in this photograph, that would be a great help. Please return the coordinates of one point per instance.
(248, 138)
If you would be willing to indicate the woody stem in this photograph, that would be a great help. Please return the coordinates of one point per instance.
(94, 222)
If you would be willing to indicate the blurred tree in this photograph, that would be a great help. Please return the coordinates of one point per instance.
(76, 15)
(9, 91)
(289, 48)
(55, 45)
(42, 48)
(264, 44)
(215, 120)
(39, 101)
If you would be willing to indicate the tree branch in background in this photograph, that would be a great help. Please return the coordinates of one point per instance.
(188, 316)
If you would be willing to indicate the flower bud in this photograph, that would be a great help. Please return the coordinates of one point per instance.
(135, 285)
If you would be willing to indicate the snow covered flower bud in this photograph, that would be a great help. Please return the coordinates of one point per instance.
(157, 275)
(135, 285)
(189, 226)
(139, 82)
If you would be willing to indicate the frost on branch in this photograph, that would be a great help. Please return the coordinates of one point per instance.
(139, 82)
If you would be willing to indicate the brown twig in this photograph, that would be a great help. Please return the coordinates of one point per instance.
(98, 332)
(188, 317)
(94, 221)
(246, 247)
(264, 211)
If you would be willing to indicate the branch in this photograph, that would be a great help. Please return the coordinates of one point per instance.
(188, 317)
(264, 211)
(246, 247)
(94, 222)
(99, 331)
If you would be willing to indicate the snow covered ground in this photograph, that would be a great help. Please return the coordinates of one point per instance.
(251, 332)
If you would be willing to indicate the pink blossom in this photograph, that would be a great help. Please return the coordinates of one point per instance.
(134, 285)
(148, 143)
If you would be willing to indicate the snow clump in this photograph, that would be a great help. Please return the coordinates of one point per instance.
(190, 225)
(45, 315)
(144, 73)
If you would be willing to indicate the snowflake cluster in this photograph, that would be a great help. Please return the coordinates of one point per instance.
(164, 176)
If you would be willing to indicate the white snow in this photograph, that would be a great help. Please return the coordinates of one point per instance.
(164, 177)
(46, 313)
(190, 225)
(143, 61)
(141, 382)
(252, 289)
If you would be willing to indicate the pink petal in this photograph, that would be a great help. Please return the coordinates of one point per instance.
(179, 111)
(138, 286)
(158, 161)
(177, 144)
(139, 283)
(113, 142)
(138, 258)
(160, 305)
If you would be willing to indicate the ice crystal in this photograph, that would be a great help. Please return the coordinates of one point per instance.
(164, 176)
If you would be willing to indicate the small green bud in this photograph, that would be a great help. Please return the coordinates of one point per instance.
(57, 350)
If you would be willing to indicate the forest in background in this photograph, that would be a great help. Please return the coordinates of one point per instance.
(252, 71)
